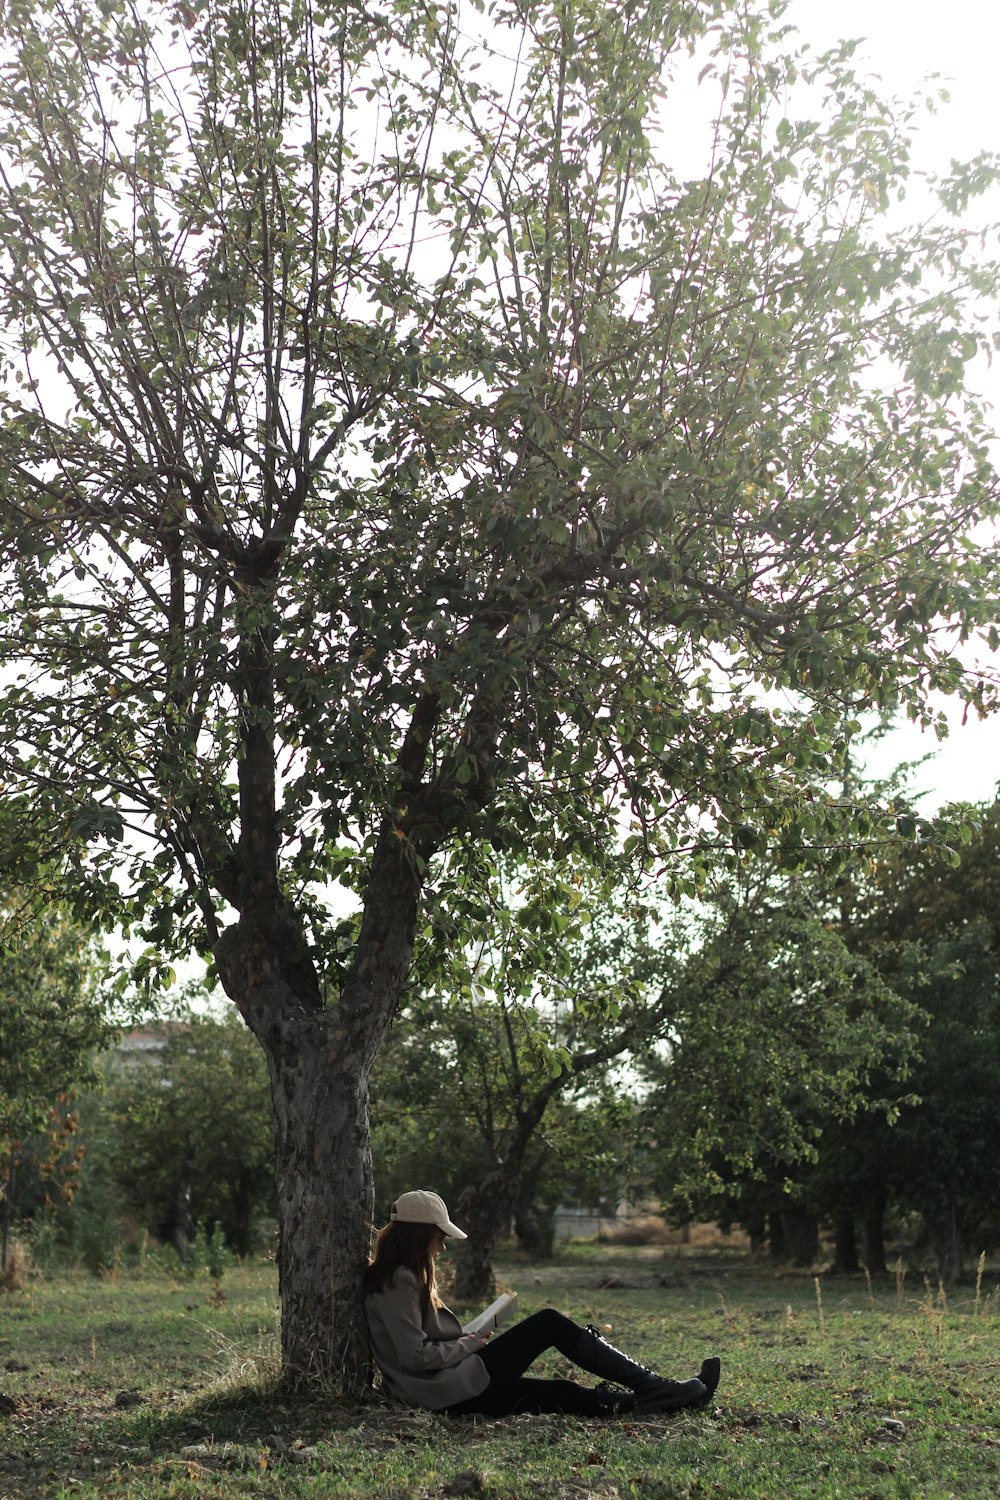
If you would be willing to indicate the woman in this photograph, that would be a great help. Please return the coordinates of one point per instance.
(426, 1359)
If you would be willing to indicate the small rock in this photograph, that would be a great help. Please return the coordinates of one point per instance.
(895, 1426)
(15, 1366)
(126, 1399)
(276, 1443)
(7, 1405)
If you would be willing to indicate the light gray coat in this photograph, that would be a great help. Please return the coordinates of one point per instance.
(425, 1358)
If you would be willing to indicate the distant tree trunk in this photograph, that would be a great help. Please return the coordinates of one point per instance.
(801, 1235)
(183, 1222)
(875, 1236)
(776, 1237)
(946, 1235)
(7, 1198)
(535, 1230)
(845, 1258)
(242, 1200)
(486, 1211)
(489, 1207)
(756, 1227)
(534, 1224)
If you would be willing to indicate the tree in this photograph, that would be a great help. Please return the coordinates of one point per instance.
(782, 1035)
(52, 1018)
(508, 1031)
(916, 937)
(188, 1130)
(428, 1126)
(932, 929)
(942, 1158)
(397, 463)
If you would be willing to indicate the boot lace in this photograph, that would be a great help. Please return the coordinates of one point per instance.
(593, 1328)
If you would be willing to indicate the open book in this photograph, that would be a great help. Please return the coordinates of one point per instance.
(498, 1312)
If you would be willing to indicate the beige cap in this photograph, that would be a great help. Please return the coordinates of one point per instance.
(425, 1208)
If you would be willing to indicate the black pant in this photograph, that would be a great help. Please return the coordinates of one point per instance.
(506, 1358)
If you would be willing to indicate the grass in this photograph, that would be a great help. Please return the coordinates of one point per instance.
(148, 1388)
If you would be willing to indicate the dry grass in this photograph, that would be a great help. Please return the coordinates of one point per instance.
(14, 1276)
(651, 1229)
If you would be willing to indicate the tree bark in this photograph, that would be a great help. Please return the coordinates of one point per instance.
(535, 1229)
(319, 1062)
(875, 1236)
(845, 1258)
(486, 1211)
(946, 1234)
(7, 1199)
(183, 1222)
(323, 1172)
(801, 1235)
(323, 1181)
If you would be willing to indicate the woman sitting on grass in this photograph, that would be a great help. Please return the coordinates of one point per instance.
(426, 1359)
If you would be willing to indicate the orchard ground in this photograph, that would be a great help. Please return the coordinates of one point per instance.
(143, 1385)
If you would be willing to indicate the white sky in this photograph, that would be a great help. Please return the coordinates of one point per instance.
(907, 40)
(904, 42)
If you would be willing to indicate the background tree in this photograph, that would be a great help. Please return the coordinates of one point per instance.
(780, 1033)
(188, 1132)
(511, 1046)
(929, 1160)
(395, 460)
(425, 1129)
(932, 929)
(921, 1143)
(52, 1020)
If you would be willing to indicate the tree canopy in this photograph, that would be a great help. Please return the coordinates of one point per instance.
(399, 457)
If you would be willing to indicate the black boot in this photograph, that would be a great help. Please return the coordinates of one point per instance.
(594, 1353)
(613, 1401)
(709, 1373)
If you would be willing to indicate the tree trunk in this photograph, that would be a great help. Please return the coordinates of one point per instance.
(875, 1236)
(325, 1193)
(326, 1200)
(755, 1226)
(485, 1212)
(320, 1062)
(7, 1199)
(241, 1198)
(845, 1259)
(535, 1229)
(489, 1207)
(947, 1237)
(801, 1235)
(534, 1222)
(183, 1222)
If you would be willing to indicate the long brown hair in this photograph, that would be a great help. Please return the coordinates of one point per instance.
(407, 1245)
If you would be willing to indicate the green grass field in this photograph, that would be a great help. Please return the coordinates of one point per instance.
(150, 1387)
